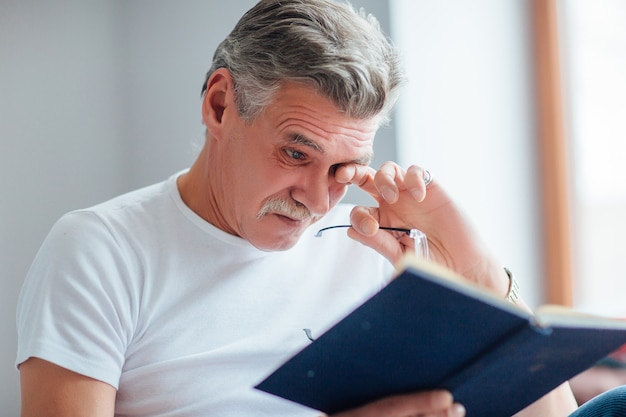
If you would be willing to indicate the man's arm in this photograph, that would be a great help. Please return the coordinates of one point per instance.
(49, 390)
(428, 403)
(557, 403)
(404, 201)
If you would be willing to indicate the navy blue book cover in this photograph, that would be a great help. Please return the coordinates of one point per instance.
(424, 331)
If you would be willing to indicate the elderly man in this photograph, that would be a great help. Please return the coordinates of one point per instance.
(178, 298)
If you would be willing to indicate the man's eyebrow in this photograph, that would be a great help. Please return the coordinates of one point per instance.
(364, 160)
(298, 139)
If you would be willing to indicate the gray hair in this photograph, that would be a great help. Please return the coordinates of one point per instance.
(341, 53)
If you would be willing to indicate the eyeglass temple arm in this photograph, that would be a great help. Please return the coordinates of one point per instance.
(409, 232)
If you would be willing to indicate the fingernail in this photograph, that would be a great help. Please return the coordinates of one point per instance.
(458, 410)
(368, 227)
(388, 194)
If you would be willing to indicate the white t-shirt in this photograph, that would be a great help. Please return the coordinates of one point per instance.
(181, 317)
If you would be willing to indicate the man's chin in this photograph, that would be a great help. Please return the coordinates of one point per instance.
(276, 246)
(273, 242)
(278, 233)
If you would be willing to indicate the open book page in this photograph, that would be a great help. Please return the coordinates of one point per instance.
(554, 315)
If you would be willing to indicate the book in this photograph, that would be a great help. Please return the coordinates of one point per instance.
(431, 329)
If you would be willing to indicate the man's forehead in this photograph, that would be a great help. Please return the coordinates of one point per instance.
(301, 95)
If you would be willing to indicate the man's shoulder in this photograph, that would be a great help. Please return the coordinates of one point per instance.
(135, 210)
(130, 199)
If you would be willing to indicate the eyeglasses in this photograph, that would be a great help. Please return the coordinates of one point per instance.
(419, 238)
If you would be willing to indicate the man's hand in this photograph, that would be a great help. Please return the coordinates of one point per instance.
(423, 404)
(404, 201)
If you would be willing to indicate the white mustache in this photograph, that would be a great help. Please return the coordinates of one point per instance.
(287, 208)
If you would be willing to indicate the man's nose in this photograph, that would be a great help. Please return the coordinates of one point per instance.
(317, 193)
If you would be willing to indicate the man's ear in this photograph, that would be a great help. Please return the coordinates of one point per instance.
(219, 96)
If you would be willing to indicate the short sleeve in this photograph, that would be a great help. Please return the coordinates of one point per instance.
(76, 305)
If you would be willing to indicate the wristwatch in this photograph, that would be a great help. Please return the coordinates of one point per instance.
(513, 295)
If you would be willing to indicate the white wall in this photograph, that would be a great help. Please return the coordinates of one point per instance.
(100, 97)
(467, 116)
(168, 49)
(593, 41)
(60, 136)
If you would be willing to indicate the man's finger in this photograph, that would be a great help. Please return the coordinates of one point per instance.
(359, 175)
(423, 403)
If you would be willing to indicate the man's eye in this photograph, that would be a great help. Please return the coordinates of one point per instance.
(294, 154)
(334, 168)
